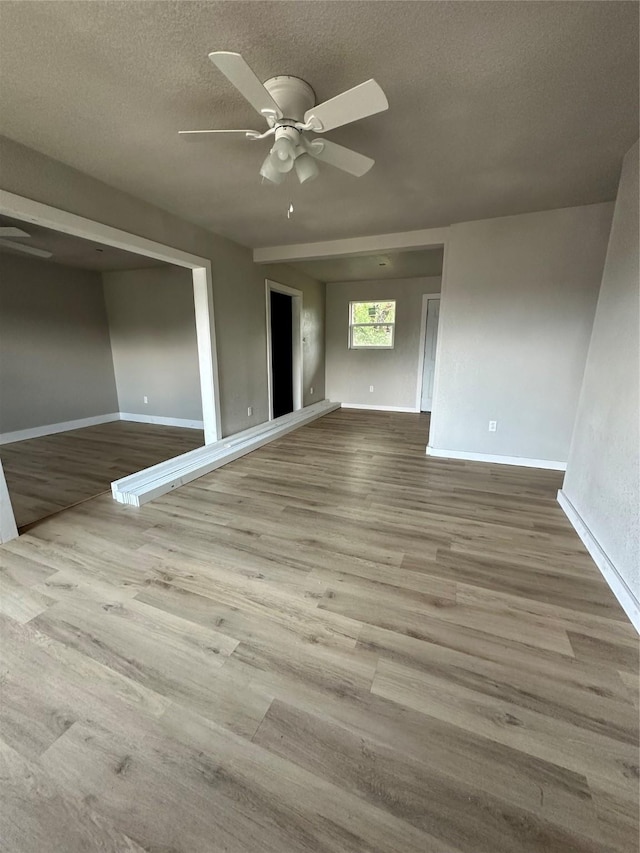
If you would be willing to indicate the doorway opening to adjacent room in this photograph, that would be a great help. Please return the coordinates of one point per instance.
(399, 268)
(44, 222)
(284, 349)
(428, 344)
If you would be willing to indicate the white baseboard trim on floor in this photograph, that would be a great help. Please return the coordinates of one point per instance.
(379, 408)
(616, 582)
(144, 486)
(522, 461)
(52, 429)
(81, 423)
(184, 423)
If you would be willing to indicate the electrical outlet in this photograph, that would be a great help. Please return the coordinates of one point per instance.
(311, 390)
(249, 411)
(493, 426)
(146, 400)
(370, 388)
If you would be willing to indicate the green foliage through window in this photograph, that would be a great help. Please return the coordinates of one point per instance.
(372, 324)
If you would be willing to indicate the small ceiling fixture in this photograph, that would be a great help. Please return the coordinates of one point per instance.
(289, 106)
(11, 231)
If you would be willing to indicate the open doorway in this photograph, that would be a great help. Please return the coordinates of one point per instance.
(284, 349)
(281, 353)
(48, 415)
(91, 391)
(387, 376)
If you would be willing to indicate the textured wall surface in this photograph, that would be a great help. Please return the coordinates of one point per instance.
(55, 357)
(238, 283)
(518, 300)
(153, 341)
(393, 373)
(602, 479)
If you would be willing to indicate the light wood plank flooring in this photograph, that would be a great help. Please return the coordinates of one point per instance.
(332, 645)
(45, 475)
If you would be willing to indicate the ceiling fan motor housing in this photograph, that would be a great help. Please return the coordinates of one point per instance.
(293, 95)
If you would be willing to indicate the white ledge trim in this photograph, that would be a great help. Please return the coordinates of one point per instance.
(379, 408)
(138, 489)
(612, 576)
(405, 240)
(69, 223)
(522, 461)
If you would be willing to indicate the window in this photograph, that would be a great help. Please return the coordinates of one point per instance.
(372, 324)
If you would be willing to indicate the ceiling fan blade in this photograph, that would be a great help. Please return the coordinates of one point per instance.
(11, 231)
(29, 250)
(200, 135)
(361, 101)
(238, 72)
(340, 157)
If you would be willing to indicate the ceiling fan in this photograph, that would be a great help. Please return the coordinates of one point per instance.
(289, 107)
(9, 231)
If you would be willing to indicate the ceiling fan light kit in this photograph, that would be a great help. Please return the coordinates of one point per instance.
(270, 173)
(288, 104)
(306, 167)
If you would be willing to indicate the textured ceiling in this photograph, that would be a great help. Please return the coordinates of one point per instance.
(74, 251)
(427, 262)
(495, 107)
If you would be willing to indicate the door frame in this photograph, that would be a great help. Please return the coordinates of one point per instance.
(296, 341)
(423, 334)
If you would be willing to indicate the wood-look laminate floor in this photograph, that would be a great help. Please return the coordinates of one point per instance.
(334, 644)
(46, 475)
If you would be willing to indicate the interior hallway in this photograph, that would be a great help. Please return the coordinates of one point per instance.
(48, 474)
(335, 644)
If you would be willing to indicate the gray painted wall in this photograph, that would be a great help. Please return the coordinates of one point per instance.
(238, 283)
(393, 373)
(55, 357)
(604, 463)
(518, 301)
(153, 341)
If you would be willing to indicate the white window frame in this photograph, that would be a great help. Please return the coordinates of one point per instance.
(364, 325)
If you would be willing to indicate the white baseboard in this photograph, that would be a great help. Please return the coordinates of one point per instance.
(523, 461)
(614, 579)
(144, 486)
(52, 429)
(379, 408)
(185, 423)
(65, 426)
